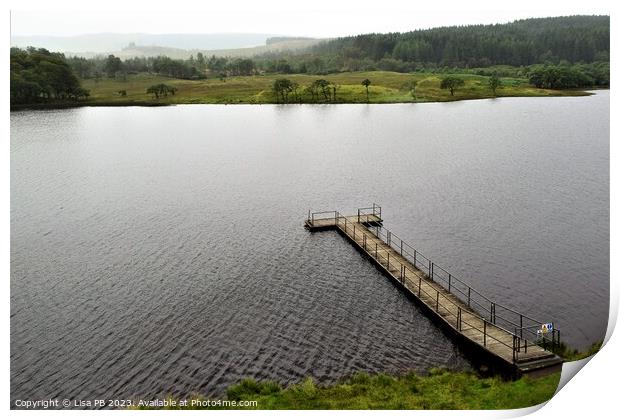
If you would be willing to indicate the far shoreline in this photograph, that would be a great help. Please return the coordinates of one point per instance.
(568, 93)
(386, 87)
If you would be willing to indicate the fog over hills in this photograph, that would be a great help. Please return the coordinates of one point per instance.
(107, 42)
(178, 46)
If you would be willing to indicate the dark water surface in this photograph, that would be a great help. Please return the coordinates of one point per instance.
(161, 250)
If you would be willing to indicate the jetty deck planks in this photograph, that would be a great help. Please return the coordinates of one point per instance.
(523, 355)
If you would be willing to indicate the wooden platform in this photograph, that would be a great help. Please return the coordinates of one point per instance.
(487, 336)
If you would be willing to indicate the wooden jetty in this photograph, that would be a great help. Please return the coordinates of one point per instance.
(502, 337)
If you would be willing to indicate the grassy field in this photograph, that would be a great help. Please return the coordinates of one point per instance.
(439, 389)
(386, 87)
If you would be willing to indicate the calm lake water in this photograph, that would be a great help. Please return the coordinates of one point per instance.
(161, 250)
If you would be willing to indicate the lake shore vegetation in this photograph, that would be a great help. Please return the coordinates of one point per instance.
(440, 389)
(559, 56)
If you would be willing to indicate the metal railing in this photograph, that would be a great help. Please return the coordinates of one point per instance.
(522, 325)
(364, 215)
(520, 328)
(366, 212)
(312, 216)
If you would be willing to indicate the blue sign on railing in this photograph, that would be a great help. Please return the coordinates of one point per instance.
(545, 328)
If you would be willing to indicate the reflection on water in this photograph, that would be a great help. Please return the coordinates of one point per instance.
(161, 250)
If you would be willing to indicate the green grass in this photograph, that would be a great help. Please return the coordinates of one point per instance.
(570, 354)
(386, 87)
(440, 389)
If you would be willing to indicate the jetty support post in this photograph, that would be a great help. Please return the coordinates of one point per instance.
(516, 348)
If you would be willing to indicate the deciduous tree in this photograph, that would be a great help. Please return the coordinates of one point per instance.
(366, 83)
(494, 83)
(451, 83)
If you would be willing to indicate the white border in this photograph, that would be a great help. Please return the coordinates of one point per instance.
(591, 394)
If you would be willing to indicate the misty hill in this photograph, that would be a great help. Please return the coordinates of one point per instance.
(272, 45)
(176, 46)
(109, 42)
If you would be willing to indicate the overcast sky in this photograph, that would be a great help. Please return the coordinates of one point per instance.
(319, 18)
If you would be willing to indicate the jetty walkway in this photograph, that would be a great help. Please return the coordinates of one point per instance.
(507, 336)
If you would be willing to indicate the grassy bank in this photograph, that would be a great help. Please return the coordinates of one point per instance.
(570, 354)
(386, 87)
(439, 389)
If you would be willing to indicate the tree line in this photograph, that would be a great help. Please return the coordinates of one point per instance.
(194, 68)
(573, 39)
(524, 42)
(38, 75)
(565, 76)
(552, 41)
(321, 90)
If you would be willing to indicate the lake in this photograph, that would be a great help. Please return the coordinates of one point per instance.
(161, 250)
